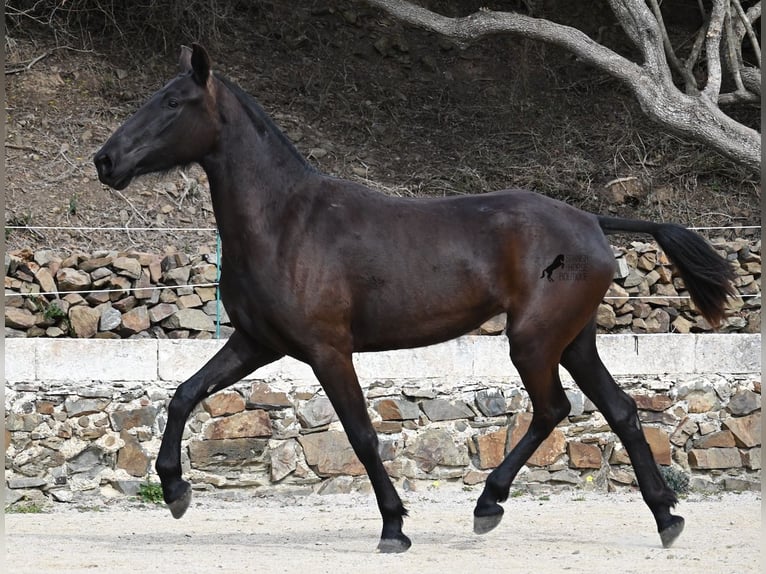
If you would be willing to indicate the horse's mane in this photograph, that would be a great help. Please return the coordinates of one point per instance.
(260, 118)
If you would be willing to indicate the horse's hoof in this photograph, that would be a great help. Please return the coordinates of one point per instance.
(394, 545)
(483, 523)
(179, 506)
(669, 534)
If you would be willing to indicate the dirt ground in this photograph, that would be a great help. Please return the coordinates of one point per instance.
(565, 532)
(364, 98)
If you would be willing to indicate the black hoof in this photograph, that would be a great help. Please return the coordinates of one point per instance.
(394, 545)
(179, 506)
(669, 534)
(484, 521)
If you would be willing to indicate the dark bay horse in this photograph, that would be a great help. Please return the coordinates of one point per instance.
(318, 268)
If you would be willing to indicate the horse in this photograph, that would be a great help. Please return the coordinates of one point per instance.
(316, 268)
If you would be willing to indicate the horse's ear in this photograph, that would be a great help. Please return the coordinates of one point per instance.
(184, 60)
(200, 64)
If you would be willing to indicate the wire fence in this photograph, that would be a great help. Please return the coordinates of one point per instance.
(218, 264)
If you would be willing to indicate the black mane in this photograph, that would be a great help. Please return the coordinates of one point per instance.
(261, 119)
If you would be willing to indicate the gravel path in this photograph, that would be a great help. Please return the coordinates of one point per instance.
(337, 534)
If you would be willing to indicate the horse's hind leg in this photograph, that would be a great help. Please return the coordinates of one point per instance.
(538, 367)
(582, 361)
(335, 371)
(237, 358)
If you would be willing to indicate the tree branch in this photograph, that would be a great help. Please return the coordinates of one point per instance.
(713, 51)
(488, 22)
(695, 115)
(686, 73)
(744, 25)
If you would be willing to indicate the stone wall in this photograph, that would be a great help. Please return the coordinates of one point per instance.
(110, 294)
(84, 418)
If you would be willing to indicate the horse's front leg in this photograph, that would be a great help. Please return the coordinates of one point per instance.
(236, 359)
(335, 371)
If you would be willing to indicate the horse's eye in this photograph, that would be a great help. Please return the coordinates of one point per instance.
(172, 103)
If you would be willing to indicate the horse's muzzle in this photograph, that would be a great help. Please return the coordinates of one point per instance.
(106, 171)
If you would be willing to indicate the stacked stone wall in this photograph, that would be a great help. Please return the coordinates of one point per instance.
(112, 295)
(84, 419)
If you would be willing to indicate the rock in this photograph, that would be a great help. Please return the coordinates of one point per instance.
(77, 407)
(110, 319)
(143, 288)
(435, 447)
(584, 455)
(204, 273)
(605, 316)
(224, 403)
(714, 458)
(125, 419)
(84, 321)
(18, 482)
(622, 270)
(90, 265)
(120, 287)
(746, 430)
(702, 401)
(329, 454)
(658, 321)
(494, 326)
(337, 485)
(397, 410)
(161, 311)
(228, 452)
(659, 442)
(262, 397)
(752, 458)
(548, 452)
(616, 296)
(634, 279)
(176, 276)
(127, 266)
(189, 301)
(69, 279)
(131, 457)
(744, 402)
(135, 321)
(491, 403)
(316, 412)
(656, 402)
(192, 319)
(282, 458)
(491, 448)
(44, 278)
(682, 325)
(442, 410)
(720, 439)
(16, 318)
(474, 477)
(576, 402)
(86, 460)
(254, 423)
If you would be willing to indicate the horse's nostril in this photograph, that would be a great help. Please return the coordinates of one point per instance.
(103, 163)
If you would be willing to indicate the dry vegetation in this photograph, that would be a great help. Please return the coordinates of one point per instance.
(361, 95)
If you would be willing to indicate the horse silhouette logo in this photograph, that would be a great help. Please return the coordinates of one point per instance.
(548, 271)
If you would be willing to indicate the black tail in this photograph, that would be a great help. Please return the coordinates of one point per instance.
(707, 275)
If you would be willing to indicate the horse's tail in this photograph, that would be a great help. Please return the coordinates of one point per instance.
(707, 275)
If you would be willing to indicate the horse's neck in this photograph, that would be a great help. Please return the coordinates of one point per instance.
(251, 177)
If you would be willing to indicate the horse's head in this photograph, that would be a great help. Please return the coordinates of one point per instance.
(177, 126)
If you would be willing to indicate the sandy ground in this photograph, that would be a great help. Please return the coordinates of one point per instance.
(566, 532)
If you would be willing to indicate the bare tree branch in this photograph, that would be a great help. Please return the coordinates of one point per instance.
(694, 115)
(744, 25)
(713, 49)
(686, 73)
